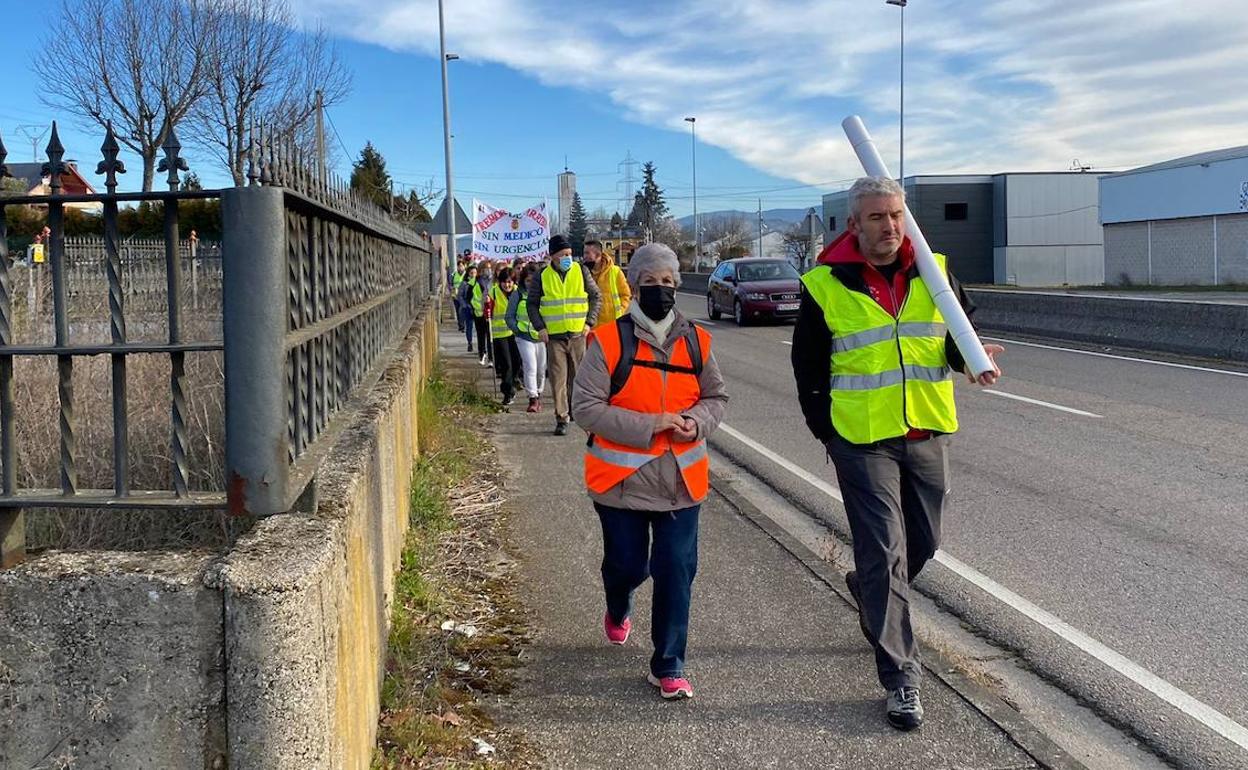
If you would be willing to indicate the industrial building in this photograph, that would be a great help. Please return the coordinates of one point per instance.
(1184, 221)
(1025, 229)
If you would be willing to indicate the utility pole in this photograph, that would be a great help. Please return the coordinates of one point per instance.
(697, 231)
(760, 227)
(452, 246)
(320, 137)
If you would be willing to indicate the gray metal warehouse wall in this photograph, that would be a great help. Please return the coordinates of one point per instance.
(1178, 251)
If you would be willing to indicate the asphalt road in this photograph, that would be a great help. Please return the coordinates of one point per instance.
(1124, 519)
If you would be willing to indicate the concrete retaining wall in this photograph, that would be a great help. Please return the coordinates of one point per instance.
(694, 283)
(270, 657)
(1189, 328)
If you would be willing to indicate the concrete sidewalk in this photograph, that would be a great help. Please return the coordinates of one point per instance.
(781, 673)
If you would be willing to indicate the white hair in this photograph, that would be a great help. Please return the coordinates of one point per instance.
(653, 258)
(872, 187)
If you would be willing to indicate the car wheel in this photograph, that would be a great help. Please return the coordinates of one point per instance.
(712, 311)
(738, 312)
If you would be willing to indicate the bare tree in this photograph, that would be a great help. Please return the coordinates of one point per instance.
(797, 243)
(261, 69)
(137, 63)
(729, 234)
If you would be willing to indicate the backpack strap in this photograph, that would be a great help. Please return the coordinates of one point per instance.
(628, 355)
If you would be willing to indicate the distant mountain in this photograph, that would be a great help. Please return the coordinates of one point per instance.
(773, 219)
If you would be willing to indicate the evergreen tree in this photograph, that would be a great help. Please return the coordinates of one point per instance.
(649, 208)
(637, 215)
(369, 177)
(617, 221)
(577, 226)
(656, 208)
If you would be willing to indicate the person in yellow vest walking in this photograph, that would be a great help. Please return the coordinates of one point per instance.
(562, 302)
(874, 366)
(532, 349)
(649, 394)
(506, 353)
(611, 282)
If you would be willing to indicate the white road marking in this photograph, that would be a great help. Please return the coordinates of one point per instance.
(785, 342)
(800, 472)
(1196, 709)
(703, 322)
(1119, 358)
(1038, 402)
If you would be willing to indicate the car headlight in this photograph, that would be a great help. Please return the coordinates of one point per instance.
(755, 295)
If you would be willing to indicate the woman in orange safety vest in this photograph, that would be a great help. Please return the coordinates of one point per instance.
(649, 393)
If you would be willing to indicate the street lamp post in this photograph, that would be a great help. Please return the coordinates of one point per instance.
(901, 166)
(452, 247)
(697, 231)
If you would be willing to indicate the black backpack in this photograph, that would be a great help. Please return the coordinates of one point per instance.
(628, 355)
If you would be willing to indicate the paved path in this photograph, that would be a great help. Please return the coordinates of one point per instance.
(781, 673)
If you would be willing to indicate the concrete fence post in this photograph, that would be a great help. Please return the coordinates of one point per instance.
(254, 302)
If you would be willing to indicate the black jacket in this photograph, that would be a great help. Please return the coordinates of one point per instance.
(812, 348)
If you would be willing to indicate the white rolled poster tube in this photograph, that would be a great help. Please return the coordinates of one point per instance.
(960, 328)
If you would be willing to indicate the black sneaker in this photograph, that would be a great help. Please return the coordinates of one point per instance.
(851, 582)
(561, 427)
(904, 709)
(509, 400)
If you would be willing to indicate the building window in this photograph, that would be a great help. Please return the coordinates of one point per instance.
(831, 224)
(955, 212)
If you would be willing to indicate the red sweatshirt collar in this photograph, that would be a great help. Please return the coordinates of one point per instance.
(844, 250)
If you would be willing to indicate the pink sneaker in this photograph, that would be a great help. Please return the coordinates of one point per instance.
(616, 634)
(671, 687)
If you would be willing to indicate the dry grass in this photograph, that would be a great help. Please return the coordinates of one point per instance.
(148, 409)
(455, 569)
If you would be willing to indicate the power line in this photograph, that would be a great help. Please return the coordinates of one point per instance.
(341, 143)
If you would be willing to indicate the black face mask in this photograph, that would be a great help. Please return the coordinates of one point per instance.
(656, 301)
(590, 264)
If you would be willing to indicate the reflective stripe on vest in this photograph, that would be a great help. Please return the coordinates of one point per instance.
(565, 303)
(651, 391)
(887, 375)
(498, 322)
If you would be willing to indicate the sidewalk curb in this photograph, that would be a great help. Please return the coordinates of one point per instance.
(1024, 734)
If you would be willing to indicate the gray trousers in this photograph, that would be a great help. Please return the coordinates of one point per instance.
(894, 493)
(563, 356)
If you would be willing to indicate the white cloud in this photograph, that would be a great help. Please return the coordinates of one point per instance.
(1002, 85)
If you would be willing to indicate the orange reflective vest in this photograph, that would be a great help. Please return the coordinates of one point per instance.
(646, 384)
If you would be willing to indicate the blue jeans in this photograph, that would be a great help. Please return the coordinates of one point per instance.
(465, 317)
(629, 558)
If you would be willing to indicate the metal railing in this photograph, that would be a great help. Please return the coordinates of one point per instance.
(317, 286)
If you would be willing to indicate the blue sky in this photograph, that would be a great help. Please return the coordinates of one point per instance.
(990, 86)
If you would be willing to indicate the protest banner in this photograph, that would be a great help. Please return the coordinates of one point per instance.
(500, 234)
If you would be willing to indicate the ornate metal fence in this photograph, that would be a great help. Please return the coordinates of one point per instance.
(317, 287)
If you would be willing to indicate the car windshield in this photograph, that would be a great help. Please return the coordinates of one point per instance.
(766, 271)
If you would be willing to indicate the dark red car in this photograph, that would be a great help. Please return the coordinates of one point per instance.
(754, 290)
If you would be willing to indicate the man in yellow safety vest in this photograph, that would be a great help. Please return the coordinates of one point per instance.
(874, 366)
(562, 301)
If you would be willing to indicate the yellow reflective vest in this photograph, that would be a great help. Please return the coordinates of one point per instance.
(615, 294)
(478, 299)
(565, 303)
(888, 374)
(498, 321)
